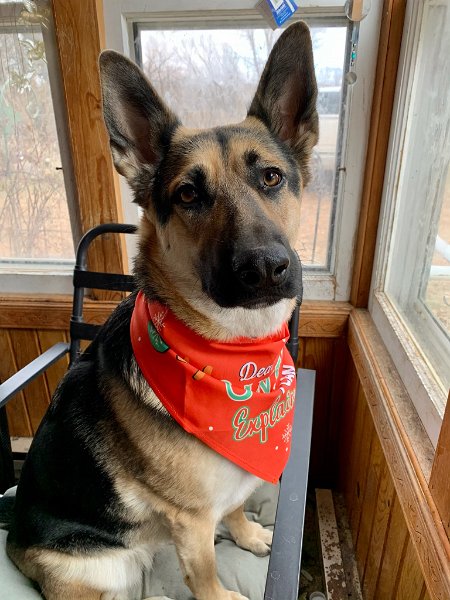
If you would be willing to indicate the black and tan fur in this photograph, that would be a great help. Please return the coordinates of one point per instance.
(110, 476)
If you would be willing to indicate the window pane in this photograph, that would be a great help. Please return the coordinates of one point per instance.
(34, 218)
(208, 77)
(437, 292)
(418, 278)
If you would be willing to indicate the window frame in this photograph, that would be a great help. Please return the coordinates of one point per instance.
(319, 284)
(421, 381)
(51, 276)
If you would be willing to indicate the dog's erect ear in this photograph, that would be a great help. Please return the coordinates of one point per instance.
(287, 92)
(138, 122)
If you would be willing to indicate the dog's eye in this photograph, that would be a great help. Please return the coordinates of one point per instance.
(271, 178)
(187, 194)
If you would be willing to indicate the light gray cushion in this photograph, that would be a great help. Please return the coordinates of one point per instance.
(238, 569)
(13, 584)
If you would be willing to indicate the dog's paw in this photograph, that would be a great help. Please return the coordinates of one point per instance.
(255, 538)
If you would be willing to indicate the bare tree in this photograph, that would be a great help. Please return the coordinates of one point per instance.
(33, 206)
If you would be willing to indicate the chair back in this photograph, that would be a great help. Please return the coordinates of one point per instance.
(84, 279)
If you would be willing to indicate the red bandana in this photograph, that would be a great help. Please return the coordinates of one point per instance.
(237, 397)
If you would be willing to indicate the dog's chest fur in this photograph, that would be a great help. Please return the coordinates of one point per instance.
(190, 474)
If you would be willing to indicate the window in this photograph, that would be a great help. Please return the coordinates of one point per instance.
(205, 58)
(329, 101)
(34, 213)
(412, 285)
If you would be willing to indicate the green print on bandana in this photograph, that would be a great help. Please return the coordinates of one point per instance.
(277, 367)
(238, 397)
(264, 386)
(157, 342)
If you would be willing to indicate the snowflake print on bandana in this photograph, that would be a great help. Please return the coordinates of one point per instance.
(158, 319)
(287, 434)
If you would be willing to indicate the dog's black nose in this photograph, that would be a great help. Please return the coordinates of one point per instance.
(262, 267)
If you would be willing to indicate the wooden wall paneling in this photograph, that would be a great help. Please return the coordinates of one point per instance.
(353, 458)
(334, 410)
(55, 373)
(369, 572)
(347, 428)
(381, 526)
(319, 355)
(382, 103)
(361, 468)
(18, 418)
(301, 352)
(80, 38)
(393, 554)
(411, 583)
(369, 492)
(338, 387)
(382, 387)
(369, 503)
(25, 347)
(440, 472)
(84, 344)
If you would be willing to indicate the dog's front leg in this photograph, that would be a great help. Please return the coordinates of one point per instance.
(194, 542)
(247, 534)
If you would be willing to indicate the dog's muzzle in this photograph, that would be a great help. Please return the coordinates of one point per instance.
(261, 267)
(252, 277)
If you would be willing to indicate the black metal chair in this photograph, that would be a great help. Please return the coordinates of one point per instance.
(284, 564)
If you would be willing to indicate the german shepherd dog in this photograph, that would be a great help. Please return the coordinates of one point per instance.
(110, 474)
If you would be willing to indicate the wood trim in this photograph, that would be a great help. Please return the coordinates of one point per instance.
(382, 105)
(324, 319)
(317, 319)
(34, 312)
(381, 386)
(80, 38)
(440, 479)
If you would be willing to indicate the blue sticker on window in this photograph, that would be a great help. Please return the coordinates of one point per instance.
(277, 12)
(282, 10)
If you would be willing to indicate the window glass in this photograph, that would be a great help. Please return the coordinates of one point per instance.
(34, 218)
(437, 279)
(418, 275)
(209, 76)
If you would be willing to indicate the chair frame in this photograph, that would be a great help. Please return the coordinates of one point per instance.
(283, 574)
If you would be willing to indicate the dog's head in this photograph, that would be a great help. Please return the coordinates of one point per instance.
(221, 206)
